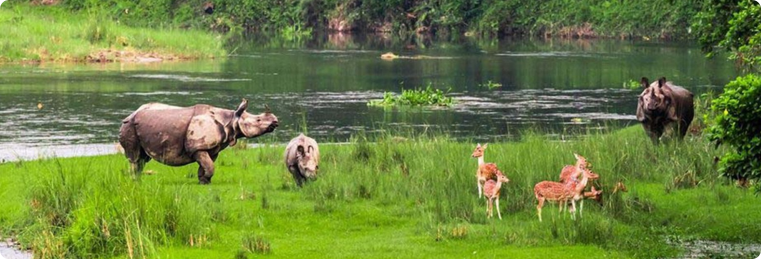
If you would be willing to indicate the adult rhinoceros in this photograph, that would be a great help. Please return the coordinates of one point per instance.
(663, 104)
(179, 136)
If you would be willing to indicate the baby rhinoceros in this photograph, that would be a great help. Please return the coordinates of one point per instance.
(302, 157)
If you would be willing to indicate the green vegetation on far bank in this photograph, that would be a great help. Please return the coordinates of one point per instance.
(381, 196)
(295, 18)
(53, 33)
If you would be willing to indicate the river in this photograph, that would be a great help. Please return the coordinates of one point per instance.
(557, 87)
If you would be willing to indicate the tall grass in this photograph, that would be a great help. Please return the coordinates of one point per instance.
(56, 34)
(85, 208)
(435, 175)
(381, 195)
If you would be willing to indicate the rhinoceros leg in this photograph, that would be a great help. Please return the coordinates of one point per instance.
(132, 149)
(205, 166)
(296, 175)
(654, 132)
(684, 125)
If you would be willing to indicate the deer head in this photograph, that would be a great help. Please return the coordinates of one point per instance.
(479, 151)
(620, 187)
(501, 177)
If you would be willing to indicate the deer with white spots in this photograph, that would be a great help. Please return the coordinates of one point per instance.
(491, 192)
(564, 192)
(485, 171)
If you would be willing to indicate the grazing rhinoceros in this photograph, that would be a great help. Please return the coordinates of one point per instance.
(182, 135)
(302, 157)
(661, 104)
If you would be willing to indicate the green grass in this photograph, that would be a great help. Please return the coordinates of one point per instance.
(52, 33)
(386, 197)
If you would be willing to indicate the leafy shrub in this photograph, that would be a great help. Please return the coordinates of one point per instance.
(737, 124)
(725, 24)
(416, 97)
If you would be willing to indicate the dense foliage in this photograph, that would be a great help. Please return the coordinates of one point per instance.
(737, 124)
(734, 26)
(586, 18)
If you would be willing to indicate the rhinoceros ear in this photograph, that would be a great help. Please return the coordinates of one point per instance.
(645, 82)
(267, 108)
(241, 108)
(661, 81)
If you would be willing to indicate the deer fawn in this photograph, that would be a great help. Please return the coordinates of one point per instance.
(485, 171)
(563, 192)
(491, 192)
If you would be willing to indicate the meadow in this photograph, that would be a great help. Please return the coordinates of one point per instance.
(381, 196)
(56, 34)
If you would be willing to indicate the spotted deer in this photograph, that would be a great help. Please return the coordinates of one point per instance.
(570, 173)
(485, 171)
(491, 192)
(563, 192)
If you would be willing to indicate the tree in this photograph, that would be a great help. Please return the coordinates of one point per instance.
(732, 25)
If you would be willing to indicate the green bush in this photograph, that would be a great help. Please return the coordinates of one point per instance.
(737, 124)
(415, 97)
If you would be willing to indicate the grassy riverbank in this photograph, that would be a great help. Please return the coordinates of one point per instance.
(410, 197)
(53, 33)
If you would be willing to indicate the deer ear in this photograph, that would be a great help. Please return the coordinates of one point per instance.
(485, 145)
(645, 82)
(478, 145)
(576, 156)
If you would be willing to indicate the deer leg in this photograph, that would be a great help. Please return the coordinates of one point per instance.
(539, 208)
(498, 213)
(573, 211)
(581, 207)
(487, 207)
(491, 203)
(480, 188)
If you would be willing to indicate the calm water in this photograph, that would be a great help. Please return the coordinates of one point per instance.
(556, 86)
